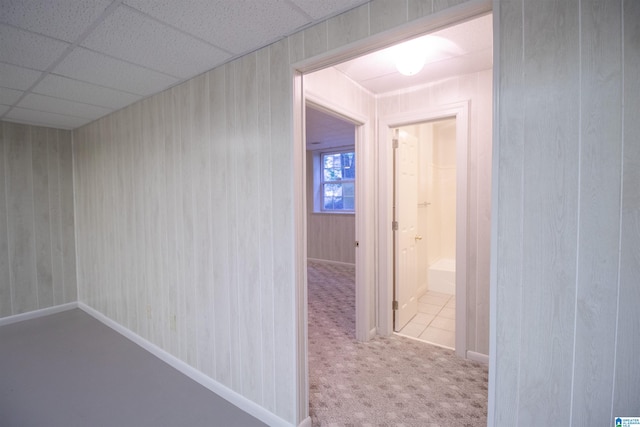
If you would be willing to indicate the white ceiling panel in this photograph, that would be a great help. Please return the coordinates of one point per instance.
(91, 67)
(43, 118)
(320, 9)
(127, 34)
(460, 49)
(432, 72)
(4, 109)
(61, 19)
(75, 90)
(27, 49)
(236, 26)
(111, 53)
(50, 104)
(9, 96)
(15, 77)
(324, 131)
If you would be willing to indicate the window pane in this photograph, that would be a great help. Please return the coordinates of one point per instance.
(332, 161)
(332, 196)
(349, 165)
(349, 203)
(332, 174)
(348, 189)
(337, 164)
(337, 195)
(328, 203)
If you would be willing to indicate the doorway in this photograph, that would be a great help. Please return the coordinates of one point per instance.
(425, 239)
(452, 119)
(375, 195)
(331, 208)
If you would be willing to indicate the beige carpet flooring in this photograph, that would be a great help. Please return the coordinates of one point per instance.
(388, 381)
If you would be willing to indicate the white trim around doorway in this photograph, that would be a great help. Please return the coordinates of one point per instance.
(364, 144)
(459, 110)
(420, 26)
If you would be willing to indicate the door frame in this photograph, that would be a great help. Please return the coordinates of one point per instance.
(398, 230)
(459, 110)
(330, 58)
(364, 251)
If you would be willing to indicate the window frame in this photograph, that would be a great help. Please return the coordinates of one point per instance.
(321, 182)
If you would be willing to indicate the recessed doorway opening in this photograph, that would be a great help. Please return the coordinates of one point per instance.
(425, 241)
(459, 92)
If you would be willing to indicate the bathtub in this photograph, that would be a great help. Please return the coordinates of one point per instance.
(442, 276)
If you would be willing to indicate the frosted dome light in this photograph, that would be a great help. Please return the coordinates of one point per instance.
(410, 56)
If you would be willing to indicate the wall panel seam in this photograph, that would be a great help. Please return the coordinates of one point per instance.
(578, 201)
(6, 199)
(522, 207)
(620, 219)
(34, 259)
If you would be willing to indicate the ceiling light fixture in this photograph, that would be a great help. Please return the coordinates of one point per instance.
(410, 57)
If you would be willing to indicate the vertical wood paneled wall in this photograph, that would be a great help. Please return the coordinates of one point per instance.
(37, 239)
(185, 229)
(478, 89)
(184, 208)
(567, 258)
(185, 211)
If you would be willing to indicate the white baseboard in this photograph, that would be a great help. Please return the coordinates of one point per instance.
(221, 390)
(328, 261)
(422, 289)
(38, 313)
(305, 423)
(478, 357)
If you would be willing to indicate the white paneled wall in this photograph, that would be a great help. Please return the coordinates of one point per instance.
(37, 241)
(184, 224)
(167, 247)
(331, 237)
(567, 208)
(477, 88)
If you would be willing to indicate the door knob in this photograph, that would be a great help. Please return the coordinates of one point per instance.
(418, 237)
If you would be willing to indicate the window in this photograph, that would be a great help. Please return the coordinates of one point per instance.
(337, 186)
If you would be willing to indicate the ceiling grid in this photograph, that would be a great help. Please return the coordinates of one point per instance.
(65, 63)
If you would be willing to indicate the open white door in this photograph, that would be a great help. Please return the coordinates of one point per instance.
(405, 236)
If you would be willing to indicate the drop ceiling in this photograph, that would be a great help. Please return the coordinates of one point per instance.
(65, 63)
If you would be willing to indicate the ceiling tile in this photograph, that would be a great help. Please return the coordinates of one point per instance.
(4, 109)
(9, 96)
(27, 49)
(456, 50)
(236, 26)
(62, 106)
(91, 67)
(324, 131)
(75, 90)
(15, 77)
(127, 34)
(42, 118)
(62, 19)
(321, 9)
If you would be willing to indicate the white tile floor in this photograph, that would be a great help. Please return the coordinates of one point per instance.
(436, 320)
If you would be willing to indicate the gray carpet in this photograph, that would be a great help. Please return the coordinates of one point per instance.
(388, 381)
(70, 370)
